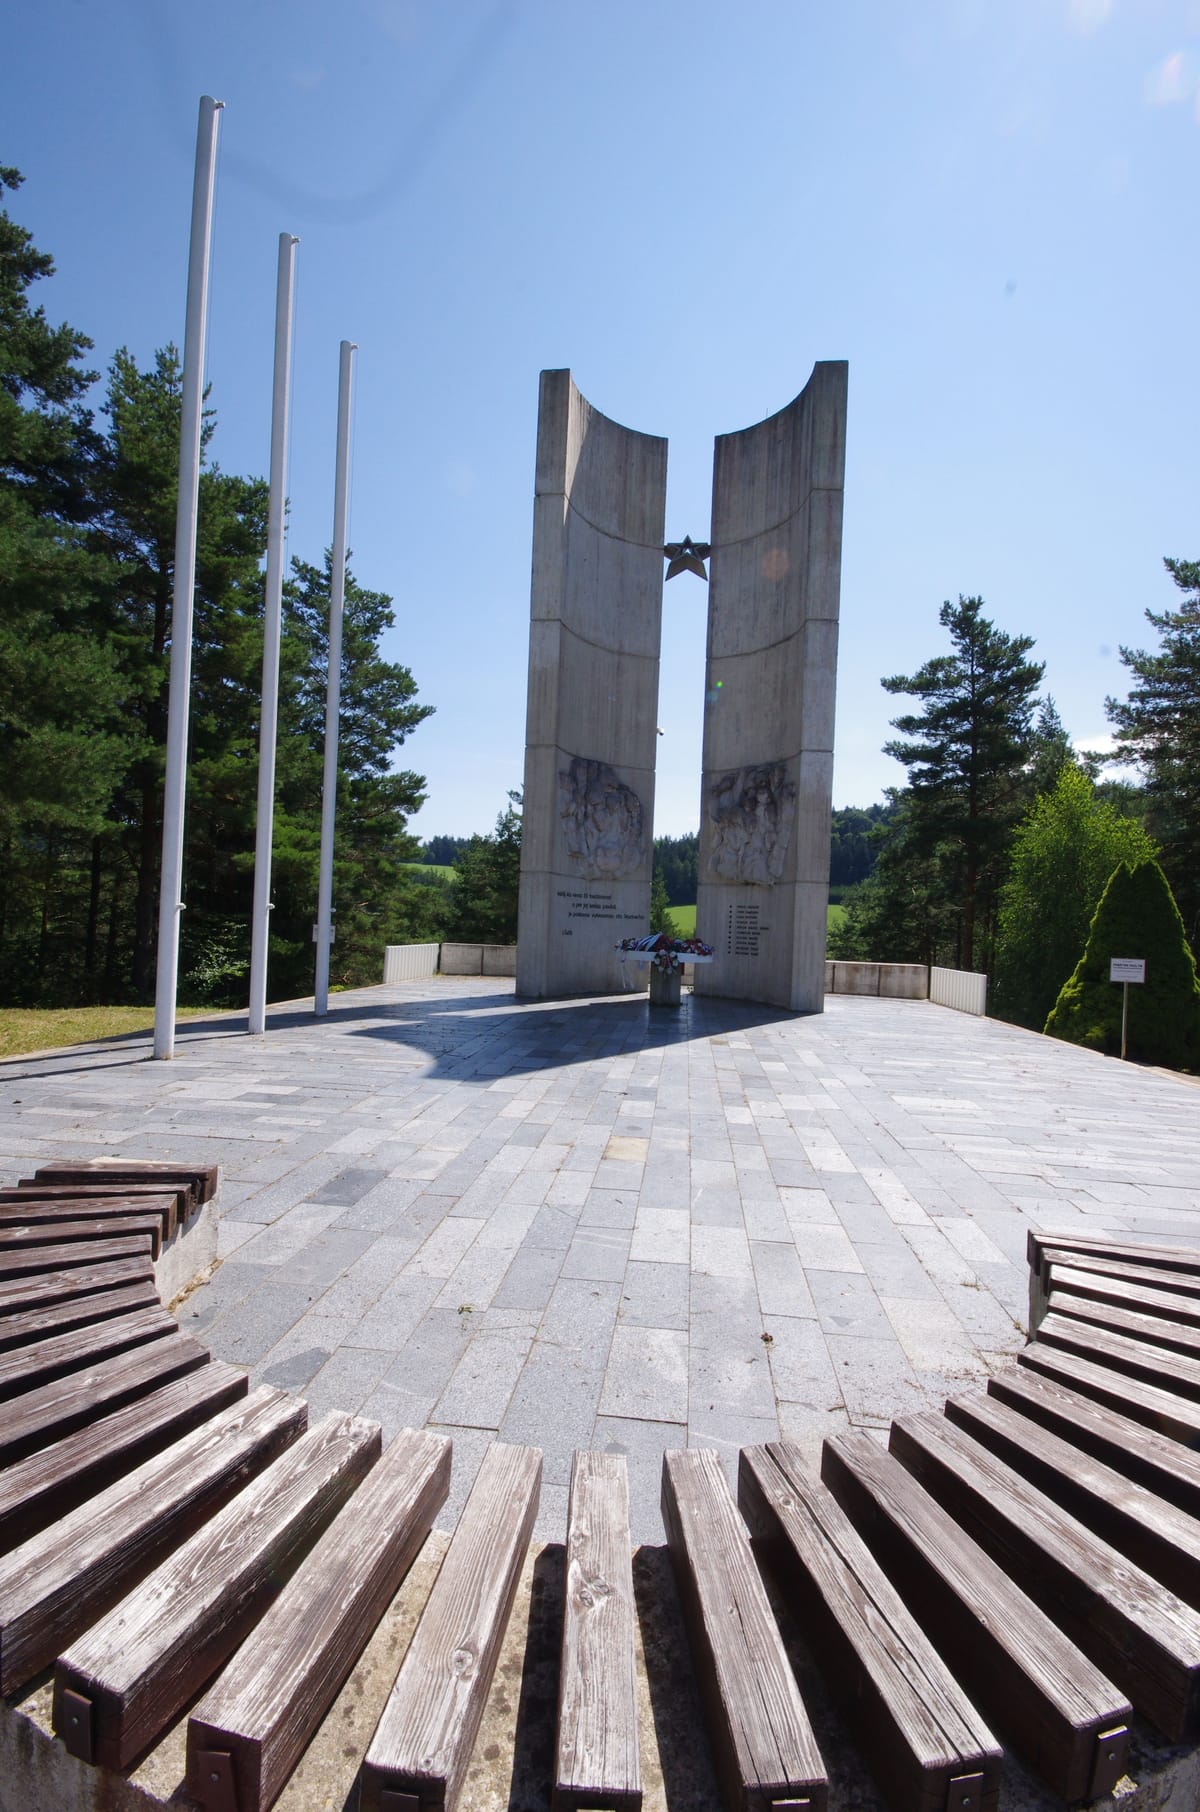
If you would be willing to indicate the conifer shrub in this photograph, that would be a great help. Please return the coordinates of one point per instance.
(1137, 916)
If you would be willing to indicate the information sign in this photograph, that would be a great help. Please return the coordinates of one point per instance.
(1127, 968)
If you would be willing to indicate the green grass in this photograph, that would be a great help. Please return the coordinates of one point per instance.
(445, 869)
(26, 1029)
(685, 919)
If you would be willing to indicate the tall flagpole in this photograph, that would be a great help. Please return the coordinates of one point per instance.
(170, 904)
(260, 924)
(337, 598)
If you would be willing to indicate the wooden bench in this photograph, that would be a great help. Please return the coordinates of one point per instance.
(597, 1758)
(200, 1180)
(21, 1233)
(56, 1584)
(19, 1264)
(926, 1744)
(1151, 1404)
(1131, 1626)
(119, 1684)
(75, 1201)
(21, 1294)
(419, 1753)
(57, 1355)
(763, 1744)
(35, 1323)
(39, 1490)
(53, 1410)
(1043, 1249)
(248, 1732)
(1066, 1721)
(1124, 1291)
(1123, 1352)
(1163, 1465)
(1163, 1540)
(1154, 1329)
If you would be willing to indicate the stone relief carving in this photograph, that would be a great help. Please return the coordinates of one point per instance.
(602, 820)
(751, 811)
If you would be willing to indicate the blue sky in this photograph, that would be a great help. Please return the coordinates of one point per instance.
(989, 207)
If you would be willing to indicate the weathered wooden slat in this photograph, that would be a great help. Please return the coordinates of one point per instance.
(922, 1736)
(25, 1368)
(1039, 1247)
(1152, 1363)
(22, 1235)
(1153, 1329)
(262, 1711)
(1124, 1293)
(137, 1667)
(762, 1740)
(597, 1760)
(47, 1201)
(200, 1179)
(1163, 1540)
(1152, 1405)
(57, 1583)
(77, 1312)
(53, 1259)
(422, 1743)
(38, 1490)
(1144, 1638)
(1154, 1460)
(40, 1416)
(21, 1294)
(1067, 1721)
(1182, 1285)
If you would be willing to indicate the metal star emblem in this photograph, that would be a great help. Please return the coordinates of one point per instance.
(687, 556)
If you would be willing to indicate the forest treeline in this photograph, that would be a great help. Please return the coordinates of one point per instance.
(87, 529)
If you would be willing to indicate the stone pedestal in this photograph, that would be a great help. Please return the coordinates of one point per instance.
(771, 674)
(590, 739)
(665, 986)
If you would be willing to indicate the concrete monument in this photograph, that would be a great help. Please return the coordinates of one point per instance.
(590, 738)
(769, 690)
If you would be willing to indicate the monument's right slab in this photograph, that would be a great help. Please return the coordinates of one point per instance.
(775, 579)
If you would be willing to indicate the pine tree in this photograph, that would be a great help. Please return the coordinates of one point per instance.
(1158, 726)
(61, 753)
(1137, 917)
(966, 753)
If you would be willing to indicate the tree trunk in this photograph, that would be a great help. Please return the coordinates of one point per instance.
(91, 936)
(968, 932)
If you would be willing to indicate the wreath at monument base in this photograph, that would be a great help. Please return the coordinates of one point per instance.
(665, 952)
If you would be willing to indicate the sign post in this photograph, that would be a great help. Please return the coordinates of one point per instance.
(1126, 969)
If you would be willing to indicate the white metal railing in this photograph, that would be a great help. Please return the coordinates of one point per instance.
(958, 988)
(409, 962)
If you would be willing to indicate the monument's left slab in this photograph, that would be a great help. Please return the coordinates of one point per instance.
(594, 636)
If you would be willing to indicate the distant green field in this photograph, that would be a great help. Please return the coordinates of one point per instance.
(685, 919)
(433, 868)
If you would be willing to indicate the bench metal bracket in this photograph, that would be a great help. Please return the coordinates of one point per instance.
(1111, 1756)
(965, 1793)
(74, 1724)
(213, 1780)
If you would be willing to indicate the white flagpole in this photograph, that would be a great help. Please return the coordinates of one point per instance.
(260, 924)
(170, 905)
(337, 598)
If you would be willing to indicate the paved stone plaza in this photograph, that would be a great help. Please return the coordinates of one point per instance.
(589, 1223)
